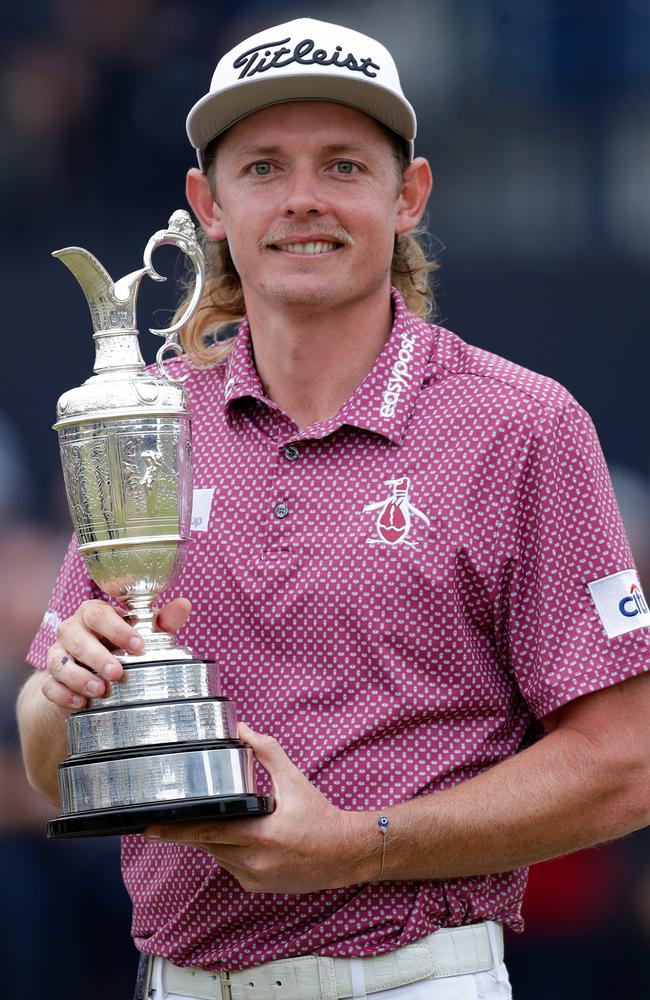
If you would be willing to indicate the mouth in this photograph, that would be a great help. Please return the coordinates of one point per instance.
(311, 248)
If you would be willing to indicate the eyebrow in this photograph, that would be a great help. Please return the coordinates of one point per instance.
(331, 148)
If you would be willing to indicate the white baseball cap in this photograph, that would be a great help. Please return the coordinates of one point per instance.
(302, 60)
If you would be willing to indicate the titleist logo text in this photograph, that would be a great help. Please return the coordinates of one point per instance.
(262, 58)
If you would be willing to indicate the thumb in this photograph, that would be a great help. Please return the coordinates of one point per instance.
(173, 616)
(268, 752)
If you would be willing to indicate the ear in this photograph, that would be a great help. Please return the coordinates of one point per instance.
(205, 208)
(414, 195)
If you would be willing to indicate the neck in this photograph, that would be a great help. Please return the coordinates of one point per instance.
(310, 360)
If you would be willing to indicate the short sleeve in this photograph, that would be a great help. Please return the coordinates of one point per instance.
(561, 530)
(72, 587)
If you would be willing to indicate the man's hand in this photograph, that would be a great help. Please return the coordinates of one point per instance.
(80, 665)
(307, 844)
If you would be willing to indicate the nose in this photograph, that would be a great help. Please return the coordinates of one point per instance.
(304, 196)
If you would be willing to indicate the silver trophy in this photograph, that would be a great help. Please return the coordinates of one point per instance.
(163, 745)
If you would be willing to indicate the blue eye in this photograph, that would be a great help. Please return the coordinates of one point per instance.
(345, 167)
(262, 169)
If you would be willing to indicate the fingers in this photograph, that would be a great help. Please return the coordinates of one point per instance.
(237, 860)
(173, 616)
(85, 634)
(217, 834)
(107, 623)
(80, 664)
(244, 864)
(69, 684)
(231, 865)
(268, 752)
(61, 695)
(250, 868)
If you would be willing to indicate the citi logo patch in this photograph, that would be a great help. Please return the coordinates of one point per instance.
(634, 604)
(620, 602)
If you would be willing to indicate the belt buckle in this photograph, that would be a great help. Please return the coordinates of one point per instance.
(224, 982)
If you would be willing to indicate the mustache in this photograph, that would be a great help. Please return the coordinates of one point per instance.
(334, 234)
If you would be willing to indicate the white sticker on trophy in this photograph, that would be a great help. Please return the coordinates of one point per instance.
(201, 506)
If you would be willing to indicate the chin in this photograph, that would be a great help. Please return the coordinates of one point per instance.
(291, 297)
(310, 293)
(294, 295)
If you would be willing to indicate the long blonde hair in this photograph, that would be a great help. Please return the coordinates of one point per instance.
(221, 305)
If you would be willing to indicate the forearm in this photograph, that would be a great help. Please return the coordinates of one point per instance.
(558, 796)
(42, 735)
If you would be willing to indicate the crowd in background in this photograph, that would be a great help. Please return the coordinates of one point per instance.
(535, 116)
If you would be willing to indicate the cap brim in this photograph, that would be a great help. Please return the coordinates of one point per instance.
(216, 112)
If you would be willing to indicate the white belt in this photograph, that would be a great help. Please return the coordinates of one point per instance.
(452, 951)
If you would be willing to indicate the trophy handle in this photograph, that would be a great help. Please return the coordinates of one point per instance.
(181, 234)
(171, 344)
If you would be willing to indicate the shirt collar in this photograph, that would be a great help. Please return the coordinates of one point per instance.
(241, 374)
(384, 401)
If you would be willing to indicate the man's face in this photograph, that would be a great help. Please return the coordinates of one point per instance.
(308, 197)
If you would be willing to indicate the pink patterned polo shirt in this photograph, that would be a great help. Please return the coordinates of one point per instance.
(398, 595)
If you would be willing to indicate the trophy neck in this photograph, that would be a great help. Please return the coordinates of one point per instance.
(117, 351)
(141, 616)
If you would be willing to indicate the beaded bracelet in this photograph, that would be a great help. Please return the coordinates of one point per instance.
(382, 823)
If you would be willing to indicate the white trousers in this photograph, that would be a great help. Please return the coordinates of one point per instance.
(492, 985)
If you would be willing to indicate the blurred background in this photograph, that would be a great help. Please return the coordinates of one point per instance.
(535, 115)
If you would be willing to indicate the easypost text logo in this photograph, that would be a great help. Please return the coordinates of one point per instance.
(620, 603)
(400, 376)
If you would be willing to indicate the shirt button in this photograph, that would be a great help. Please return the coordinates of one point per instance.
(281, 509)
(291, 453)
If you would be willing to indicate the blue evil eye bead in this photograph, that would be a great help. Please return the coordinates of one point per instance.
(382, 823)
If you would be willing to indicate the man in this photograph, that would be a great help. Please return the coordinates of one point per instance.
(414, 567)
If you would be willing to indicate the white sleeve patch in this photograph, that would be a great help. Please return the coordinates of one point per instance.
(201, 506)
(620, 602)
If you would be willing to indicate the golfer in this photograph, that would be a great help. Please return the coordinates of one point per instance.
(407, 559)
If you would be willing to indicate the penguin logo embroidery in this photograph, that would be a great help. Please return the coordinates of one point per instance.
(394, 519)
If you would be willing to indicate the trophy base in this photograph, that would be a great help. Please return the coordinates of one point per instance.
(134, 819)
(161, 748)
